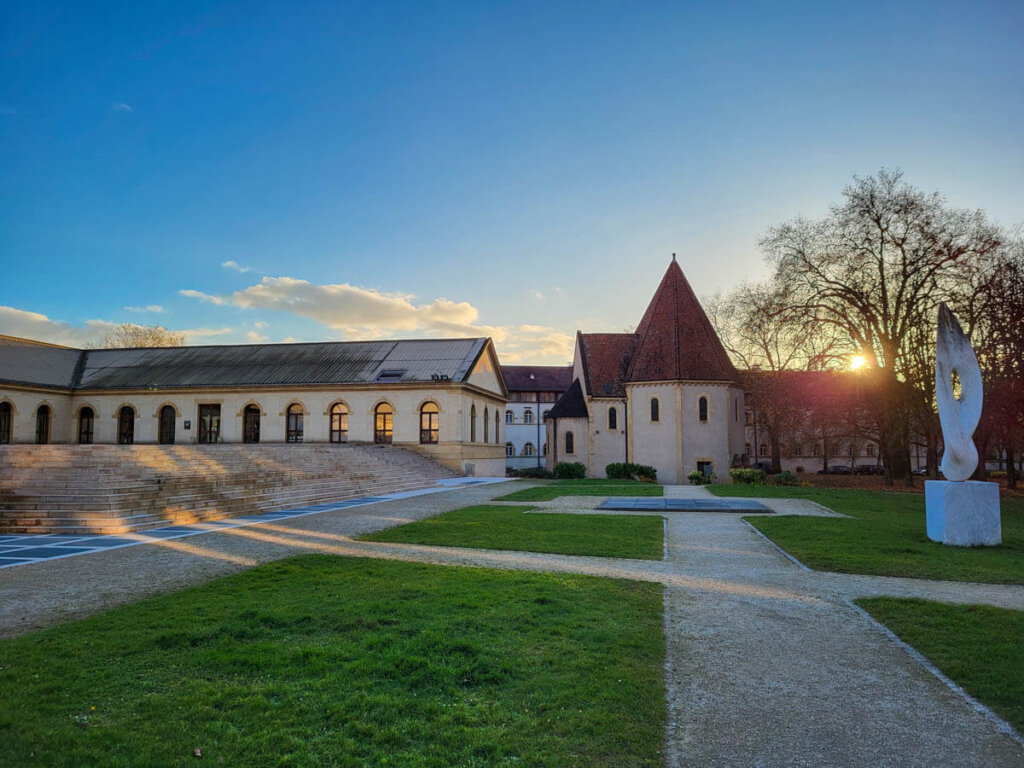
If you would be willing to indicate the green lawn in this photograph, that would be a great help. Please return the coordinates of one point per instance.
(552, 489)
(319, 660)
(498, 527)
(886, 536)
(976, 646)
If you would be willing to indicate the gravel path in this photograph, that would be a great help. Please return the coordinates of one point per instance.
(768, 664)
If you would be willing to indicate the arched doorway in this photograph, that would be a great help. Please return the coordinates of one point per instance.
(5, 422)
(43, 425)
(166, 432)
(126, 425)
(251, 424)
(86, 419)
(384, 423)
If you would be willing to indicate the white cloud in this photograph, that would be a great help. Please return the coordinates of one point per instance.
(537, 295)
(260, 324)
(202, 297)
(120, 106)
(362, 314)
(148, 308)
(256, 338)
(232, 264)
(39, 327)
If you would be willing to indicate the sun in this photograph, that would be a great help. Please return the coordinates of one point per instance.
(857, 362)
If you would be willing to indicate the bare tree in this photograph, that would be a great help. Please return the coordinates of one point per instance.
(132, 335)
(875, 268)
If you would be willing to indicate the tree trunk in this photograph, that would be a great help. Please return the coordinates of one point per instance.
(775, 443)
(1011, 469)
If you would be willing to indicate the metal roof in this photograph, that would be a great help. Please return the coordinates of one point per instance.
(240, 365)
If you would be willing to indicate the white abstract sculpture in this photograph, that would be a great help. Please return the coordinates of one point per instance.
(958, 511)
(958, 417)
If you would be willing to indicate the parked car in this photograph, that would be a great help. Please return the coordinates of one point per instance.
(920, 471)
(868, 469)
(837, 469)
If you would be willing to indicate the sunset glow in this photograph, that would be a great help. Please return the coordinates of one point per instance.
(857, 362)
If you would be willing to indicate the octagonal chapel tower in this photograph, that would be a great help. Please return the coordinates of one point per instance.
(666, 395)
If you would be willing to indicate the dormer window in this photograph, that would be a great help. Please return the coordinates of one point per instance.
(392, 374)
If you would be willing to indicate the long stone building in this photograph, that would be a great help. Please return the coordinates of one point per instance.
(443, 398)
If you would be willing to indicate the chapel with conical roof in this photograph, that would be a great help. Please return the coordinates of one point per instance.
(667, 395)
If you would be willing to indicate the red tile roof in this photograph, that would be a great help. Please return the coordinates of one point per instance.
(606, 359)
(537, 378)
(676, 341)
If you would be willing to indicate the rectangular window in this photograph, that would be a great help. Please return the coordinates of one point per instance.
(706, 468)
(209, 423)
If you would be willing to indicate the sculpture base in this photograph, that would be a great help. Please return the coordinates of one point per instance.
(963, 514)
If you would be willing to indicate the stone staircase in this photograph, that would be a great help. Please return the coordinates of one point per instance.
(120, 489)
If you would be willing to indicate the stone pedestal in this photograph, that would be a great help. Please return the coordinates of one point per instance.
(963, 514)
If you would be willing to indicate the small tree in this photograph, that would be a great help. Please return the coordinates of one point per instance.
(132, 335)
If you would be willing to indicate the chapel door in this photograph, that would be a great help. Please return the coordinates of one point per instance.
(209, 423)
(251, 424)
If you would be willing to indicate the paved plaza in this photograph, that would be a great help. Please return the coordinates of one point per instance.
(767, 664)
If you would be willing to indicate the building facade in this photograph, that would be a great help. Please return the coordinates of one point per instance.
(532, 393)
(443, 398)
(667, 395)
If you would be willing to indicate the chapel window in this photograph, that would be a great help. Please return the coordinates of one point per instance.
(702, 409)
(294, 424)
(655, 409)
(570, 443)
(126, 425)
(429, 415)
(487, 425)
(497, 437)
(472, 423)
(613, 418)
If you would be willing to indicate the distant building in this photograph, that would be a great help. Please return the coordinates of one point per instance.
(667, 395)
(443, 398)
(532, 392)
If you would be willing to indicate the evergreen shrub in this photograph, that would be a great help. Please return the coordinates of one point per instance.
(629, 471)
(565, 470)
(748, 476)
(785, 477)
(699, 478)
(535, 473)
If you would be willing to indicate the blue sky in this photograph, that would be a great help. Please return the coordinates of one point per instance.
(518, 170)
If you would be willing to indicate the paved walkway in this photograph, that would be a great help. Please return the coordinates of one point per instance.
(768, 664)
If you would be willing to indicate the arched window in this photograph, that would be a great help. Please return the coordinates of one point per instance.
(497, 424)
(510, 450)
(86, 418)
(126, 425)
(570, 443)
(295, 427)
(544, 416)
(165, 427)
(510, 417)
(487, 425)
(428, 423)
(339, 423)
(528, 449)
(383, 423)
(527, 417)
(655, 409)
(736, 410)
(545, 449)
(762, 450)
(702, 409)
(43, 424)
(251, 424)
(472, 423)
(5, 422)
(613, 419)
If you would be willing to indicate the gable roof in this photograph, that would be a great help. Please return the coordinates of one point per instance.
(675, 339)
(537, 378)
(341, 362)
(606, 358)
(571, 404)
